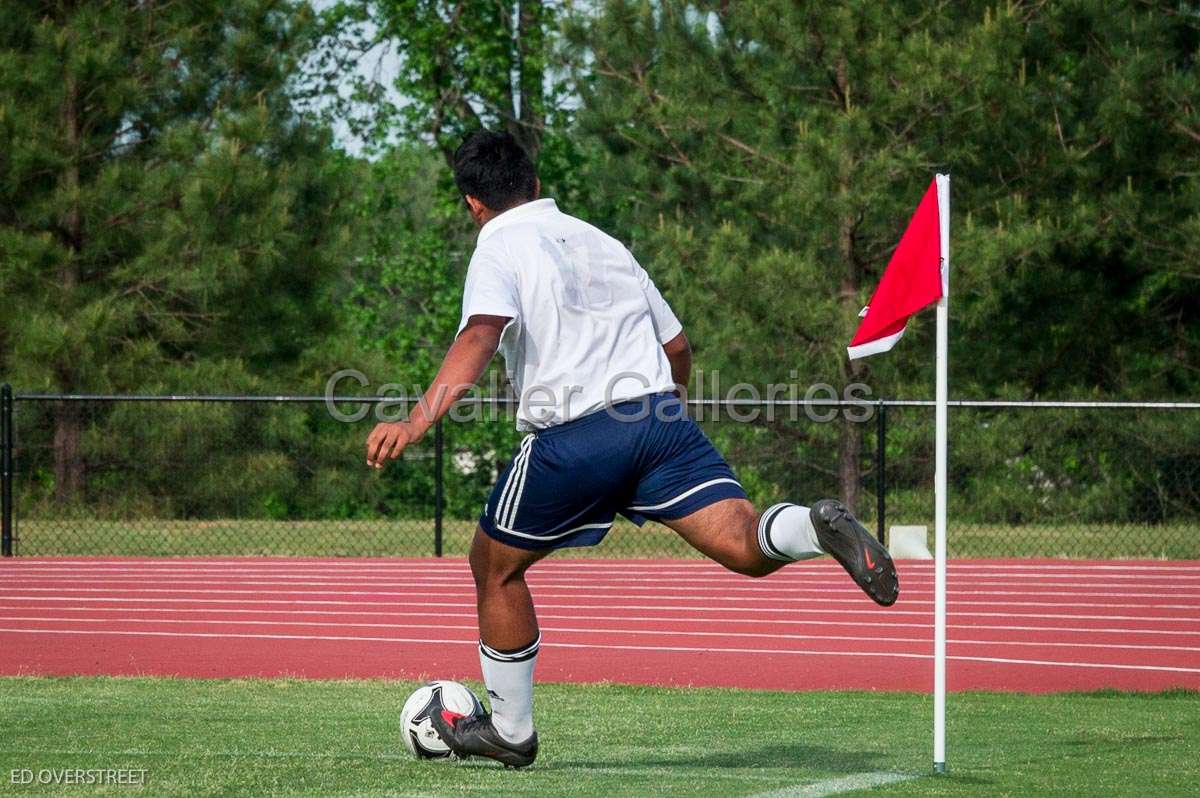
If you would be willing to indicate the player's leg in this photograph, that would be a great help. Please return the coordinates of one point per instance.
(722, 531)
(508, 649)
(728, 531)
(508, 632)
(685, 483)
(549, 496)
(731, 533)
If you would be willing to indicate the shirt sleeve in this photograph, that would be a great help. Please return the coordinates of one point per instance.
(665, 322)
(491, 289)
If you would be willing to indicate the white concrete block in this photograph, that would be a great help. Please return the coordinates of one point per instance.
(909, 543)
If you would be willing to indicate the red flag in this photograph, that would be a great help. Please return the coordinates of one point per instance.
(911, 281)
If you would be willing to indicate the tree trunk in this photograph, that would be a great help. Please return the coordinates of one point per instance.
(850, 442)
(528, 119)
(68, 462)
(849, 463)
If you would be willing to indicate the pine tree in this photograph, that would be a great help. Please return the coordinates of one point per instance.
(167, 219)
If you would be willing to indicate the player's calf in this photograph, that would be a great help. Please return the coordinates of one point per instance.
(724, 532)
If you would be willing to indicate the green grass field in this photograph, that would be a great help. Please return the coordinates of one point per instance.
(312, 738)
(414, 538)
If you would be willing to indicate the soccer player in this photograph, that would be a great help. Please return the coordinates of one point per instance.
(596, 358)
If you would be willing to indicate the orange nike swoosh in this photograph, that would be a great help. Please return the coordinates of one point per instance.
(867, 552)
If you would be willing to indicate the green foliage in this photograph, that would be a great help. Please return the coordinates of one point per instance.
(171, 222)
(162, 204)
(766, 156)
(776, 149)
(461, 66)
(168, 222)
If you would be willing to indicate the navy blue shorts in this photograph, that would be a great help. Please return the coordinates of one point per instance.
(644, 459)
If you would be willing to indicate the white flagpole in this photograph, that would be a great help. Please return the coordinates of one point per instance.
(939, 485)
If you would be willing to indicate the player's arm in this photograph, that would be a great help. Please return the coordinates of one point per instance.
(666, 324)
(679, 355)
(461, 369)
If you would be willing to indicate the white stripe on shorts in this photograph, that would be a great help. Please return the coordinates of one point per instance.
(511, 519)
(687, 493)
(512, 474)
(506, 530)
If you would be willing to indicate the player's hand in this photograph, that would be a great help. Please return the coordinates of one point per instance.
(387, 441)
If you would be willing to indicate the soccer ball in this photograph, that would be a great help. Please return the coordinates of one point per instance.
(420, 738)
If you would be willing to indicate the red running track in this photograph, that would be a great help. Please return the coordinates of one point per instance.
(1036, 626)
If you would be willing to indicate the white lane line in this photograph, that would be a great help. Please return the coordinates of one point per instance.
(837, 786)
(767, 586)
(71, 583)
(604, 646)
(872, 611)
(112, 585)
(682, 568)
(632, 618)
(1167, 566)
(799, 572)
(852, 597)
(800, 575)
(709, 574)
(663, 632)
(582, 562)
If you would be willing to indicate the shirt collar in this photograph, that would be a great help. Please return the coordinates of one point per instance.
(518, 214)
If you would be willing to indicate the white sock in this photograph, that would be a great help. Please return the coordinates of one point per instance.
(509, 679)
(786, 533)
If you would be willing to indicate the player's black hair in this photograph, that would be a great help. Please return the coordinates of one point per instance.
(492, 168)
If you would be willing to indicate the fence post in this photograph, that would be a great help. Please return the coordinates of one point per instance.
(439, 489)
(6, 470)
(880, 469)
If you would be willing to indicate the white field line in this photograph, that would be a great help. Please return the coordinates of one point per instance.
(923, 641)
(608, 770)
(630, 618)
(837, 786)
(182, 754)
(603, 646)
(873, 612)
(1187, 592)
(651, 595)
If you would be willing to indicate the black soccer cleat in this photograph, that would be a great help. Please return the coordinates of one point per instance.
(474, 735)
(863, 557)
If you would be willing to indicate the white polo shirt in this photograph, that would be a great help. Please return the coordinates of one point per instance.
(587, 325)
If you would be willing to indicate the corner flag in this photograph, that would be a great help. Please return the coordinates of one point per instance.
(917, 275)
(911, 281)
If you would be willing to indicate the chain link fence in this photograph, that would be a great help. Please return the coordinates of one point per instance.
(209, 475)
